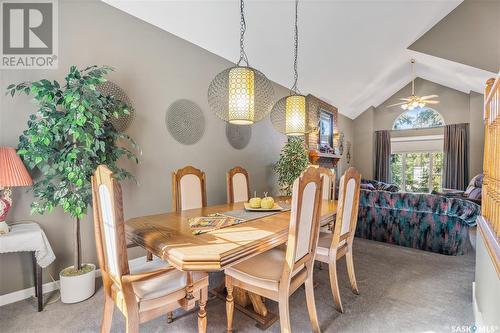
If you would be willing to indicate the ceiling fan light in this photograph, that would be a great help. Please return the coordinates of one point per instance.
(295, 115)
(421, 104)
(241, 96)
(414, 104)
(404, 106)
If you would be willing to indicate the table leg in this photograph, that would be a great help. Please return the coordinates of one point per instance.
(35, 280)
(257, 310)
(37, 277)
(39, 287)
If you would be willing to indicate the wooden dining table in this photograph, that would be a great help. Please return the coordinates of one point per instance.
(170, 237)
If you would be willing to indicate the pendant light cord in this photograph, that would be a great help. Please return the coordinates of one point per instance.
(295, 88)
(243, 28)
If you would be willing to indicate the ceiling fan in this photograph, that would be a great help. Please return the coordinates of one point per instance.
(414, 101)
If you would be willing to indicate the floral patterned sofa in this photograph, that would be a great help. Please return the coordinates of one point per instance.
(422, 221)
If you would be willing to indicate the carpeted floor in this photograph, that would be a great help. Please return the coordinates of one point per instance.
(402, 290)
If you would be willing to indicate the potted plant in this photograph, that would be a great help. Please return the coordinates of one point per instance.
(293, 160)
(67, 138)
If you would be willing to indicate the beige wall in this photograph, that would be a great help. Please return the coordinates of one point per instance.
(346, 126)
(465, 35)
(155, 68)
(454, 106)
(363, 142)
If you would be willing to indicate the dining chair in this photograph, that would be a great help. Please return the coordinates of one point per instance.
(328, 183)
(334, 245)
(277, 273)
(188, 189)
(238, 188)
(141, 293)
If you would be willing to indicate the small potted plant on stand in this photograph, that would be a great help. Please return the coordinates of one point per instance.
(67, 138)
(293, 160)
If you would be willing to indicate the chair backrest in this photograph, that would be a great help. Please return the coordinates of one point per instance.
(347, 208)
(109, 225)
(188, 189)
(328, 183)
(304, 219)
(238, 188)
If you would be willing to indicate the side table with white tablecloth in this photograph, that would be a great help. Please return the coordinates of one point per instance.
(29, 237)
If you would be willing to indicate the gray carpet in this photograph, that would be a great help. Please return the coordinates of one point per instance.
(402, 290)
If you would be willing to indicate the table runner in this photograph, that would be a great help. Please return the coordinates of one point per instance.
(204, 224)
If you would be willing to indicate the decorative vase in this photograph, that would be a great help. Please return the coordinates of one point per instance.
(313, 156)
(77, 288)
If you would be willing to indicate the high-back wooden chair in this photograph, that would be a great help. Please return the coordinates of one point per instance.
(238, 188)
(333, 246)
(328, 183)
(153, 288)
(188, 189)
(277, 273)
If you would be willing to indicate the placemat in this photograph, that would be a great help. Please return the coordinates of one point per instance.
(204, 224)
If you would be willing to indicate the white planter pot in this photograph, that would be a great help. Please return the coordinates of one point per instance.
(77, 288)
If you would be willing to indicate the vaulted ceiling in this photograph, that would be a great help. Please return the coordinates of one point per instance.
(353, 54)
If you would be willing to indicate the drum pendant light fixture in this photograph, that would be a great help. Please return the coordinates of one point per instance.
(289, 113)
(241, 95)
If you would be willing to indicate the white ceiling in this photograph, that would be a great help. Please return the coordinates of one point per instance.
(352, 53)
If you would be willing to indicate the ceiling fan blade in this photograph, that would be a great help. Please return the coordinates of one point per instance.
(429, 96)
(431, 102)
(406, 99)
(397, 104)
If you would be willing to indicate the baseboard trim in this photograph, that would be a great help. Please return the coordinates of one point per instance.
(478, 317)
(48, 287)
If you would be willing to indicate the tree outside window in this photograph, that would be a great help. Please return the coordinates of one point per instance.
(418, 118)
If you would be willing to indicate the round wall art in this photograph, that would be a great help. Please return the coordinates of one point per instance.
(238, 135)
(109, 88)
(185, 121)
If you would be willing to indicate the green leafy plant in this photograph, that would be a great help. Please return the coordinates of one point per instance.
(293, 160)
(67, 138)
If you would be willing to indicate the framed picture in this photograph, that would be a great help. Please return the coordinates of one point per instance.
(326, 125)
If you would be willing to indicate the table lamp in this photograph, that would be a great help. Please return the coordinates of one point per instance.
(13, 173)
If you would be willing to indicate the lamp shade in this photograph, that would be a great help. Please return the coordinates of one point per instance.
(12, 170)
(241, 96)
(295, 118)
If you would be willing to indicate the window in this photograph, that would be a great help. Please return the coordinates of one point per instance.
(417, 171)
(418, 118)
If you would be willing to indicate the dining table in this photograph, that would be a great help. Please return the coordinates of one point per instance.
(170, 237)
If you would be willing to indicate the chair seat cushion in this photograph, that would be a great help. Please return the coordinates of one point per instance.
(160, 286)
(263, 270)
(325, 242)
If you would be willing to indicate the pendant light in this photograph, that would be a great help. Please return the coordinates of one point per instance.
(289, 113)
(241, 95)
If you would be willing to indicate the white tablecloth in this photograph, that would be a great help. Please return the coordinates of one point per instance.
(28, 237)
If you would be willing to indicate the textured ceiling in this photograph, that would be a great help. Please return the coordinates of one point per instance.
(352, 53)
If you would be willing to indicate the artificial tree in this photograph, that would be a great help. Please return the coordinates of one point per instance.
(67, 138)
(293, 160)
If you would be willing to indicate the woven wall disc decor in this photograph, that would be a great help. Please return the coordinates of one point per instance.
(109, 88)
(185, 121)
(238, 136)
